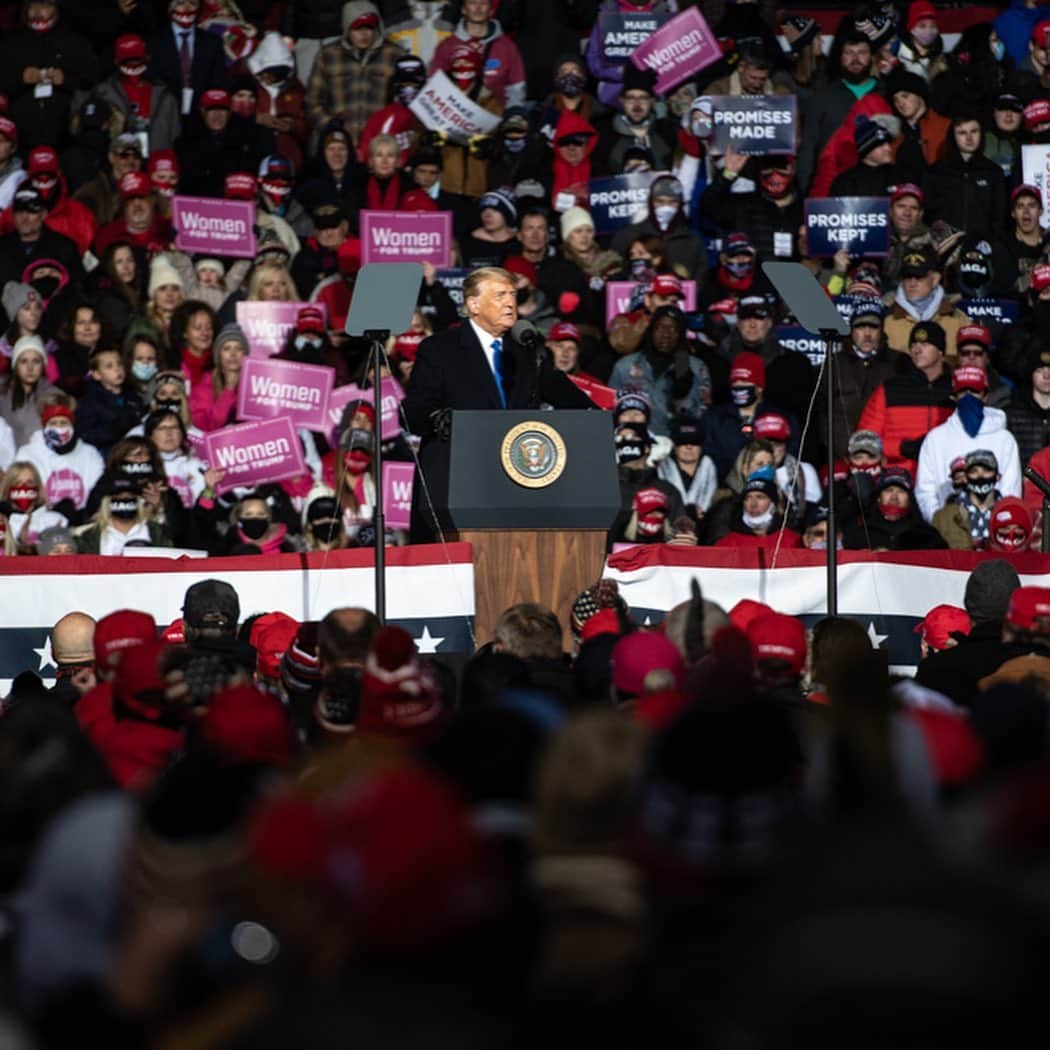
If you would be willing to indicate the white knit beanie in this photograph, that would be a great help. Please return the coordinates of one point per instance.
(573, 219)
(27, 344)
(161, 272)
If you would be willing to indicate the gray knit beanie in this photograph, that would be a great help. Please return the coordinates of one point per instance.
(988, 590)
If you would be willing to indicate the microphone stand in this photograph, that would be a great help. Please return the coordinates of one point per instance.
(378, 338)
(1043, 486)
(829, 337)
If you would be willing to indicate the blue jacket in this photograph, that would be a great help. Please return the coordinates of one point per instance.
(103, 417)
(634, 372)
(1015, 26)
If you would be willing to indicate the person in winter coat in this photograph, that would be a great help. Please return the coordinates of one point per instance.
(635, 124)
(851, 78)
(330, 178)
(350, 79)
(609, 71)
(213, 399)
(1014, 27)
(973, 425)
(24, 491)
(908, 406)
(920, 296)
(31, 241)
(974, 347)
(64, 214)
(42, 66)
(24, 390)
(186, 475)
(687, 468)
(977, 72)
(572, 160)
(966, 189)
(965, 519)
(893, 521)
(674, 382)
(924, 134)
(667, 220)
(758, 516)
(874, 173)
(570, 81)
(12, 174)
(105, 413)
(503, 71)
(121, 521)
(770, 214)
(921, 48)
(140, 224)
(141, 106)
(252, 526)
(68, 467)
(840, 151)
(1028, 413)
(633, 444)
(101, 194)
(278, 97)
(396, 118)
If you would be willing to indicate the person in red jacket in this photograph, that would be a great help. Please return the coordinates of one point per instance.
(905, 408)
(574, 142)
(64, 215)
(396, 118)
(139, 222)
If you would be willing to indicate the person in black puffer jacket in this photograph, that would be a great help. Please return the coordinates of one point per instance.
(1028, 414)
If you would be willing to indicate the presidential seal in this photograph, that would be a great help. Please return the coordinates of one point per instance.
(533, 455)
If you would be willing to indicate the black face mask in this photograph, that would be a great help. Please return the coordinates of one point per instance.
(124, 509)
(169, 406)
(45, 287)
(136, 470)
(523, 294)
(253, 528)
(327, 530)
(980, 487)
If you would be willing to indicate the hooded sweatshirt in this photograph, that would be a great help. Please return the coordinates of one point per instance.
(503, 71)
(568, 175)
(933, 481)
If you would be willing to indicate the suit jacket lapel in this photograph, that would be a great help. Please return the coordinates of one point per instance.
(477, 360)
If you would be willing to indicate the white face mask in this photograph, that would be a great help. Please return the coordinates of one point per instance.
(665, 214)
(759, 521)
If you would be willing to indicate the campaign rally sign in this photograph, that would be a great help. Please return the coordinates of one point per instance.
(763, 124)
(270, 388)
(615, 201)
(452, 281)
(392, 396)
(406, 236)
(861, 225)
(267, 324)
(441, 106)
(618, 297)
(1001, 311)
(678, 50)
(1035, 171)
(798, 339)
(622, 33)
(397, 493)
(256, 452)
(214, 226)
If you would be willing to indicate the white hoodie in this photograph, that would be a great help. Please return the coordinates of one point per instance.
(185, 475)
(69, 476)
(933, 481)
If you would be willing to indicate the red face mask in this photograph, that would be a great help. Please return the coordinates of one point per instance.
(133, 70)
(243, 107)
(873, 471)
(1011, 538)
(891, 512)
(651, 524)
(23, 497)
(357, 462)
(184, 19)
(775, 183)
(42, 25)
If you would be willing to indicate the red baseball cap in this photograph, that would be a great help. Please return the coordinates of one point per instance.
(1040, 278)
(368, 20)
(639, 654)
(907, 189)
(746, 610)
(1026, 188)
(249, 724)
(974, 333)
(666, 284)
(748, 368)
(309, 319)
(128, 47)
(648, 501)
(42, 159)
(271, 635)
(8, 128)
(772, 426)
(1027, 606)
(239, 185)
(1037, 111)
(969, 377)
(121, 630)
(163, 160)
(1039, 32)
(215, 98)
(777, 636)
(135, 184)
(564, 330)
(940, 622)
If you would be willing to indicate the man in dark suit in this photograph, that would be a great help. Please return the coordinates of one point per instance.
(477, 365)
(186, 59)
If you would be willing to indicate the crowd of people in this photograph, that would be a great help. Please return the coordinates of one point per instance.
(121, 353)
(238, 830)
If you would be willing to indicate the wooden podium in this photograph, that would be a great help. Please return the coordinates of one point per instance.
(531, 565)
(534, 493)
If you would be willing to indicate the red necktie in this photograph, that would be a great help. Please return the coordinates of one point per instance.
(184, 58)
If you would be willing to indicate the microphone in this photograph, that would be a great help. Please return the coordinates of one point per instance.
(527, 334)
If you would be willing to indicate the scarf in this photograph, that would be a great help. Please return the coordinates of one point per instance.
(383, 194)
(979, 521)
(140, 95)
(922, 309)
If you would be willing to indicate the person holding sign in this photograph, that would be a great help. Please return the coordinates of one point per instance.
(770, 214)
(874, 174)
(213, 398)
(608, 41)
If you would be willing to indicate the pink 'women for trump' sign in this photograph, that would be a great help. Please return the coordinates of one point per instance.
(678, 49)
(407, 236)
(214, 226)
(251, 453)
(270, 388)
(267, 324)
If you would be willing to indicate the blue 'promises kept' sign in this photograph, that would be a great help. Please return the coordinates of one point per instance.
(861, 225)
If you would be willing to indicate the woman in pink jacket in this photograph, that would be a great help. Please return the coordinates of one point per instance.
(213, 397)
